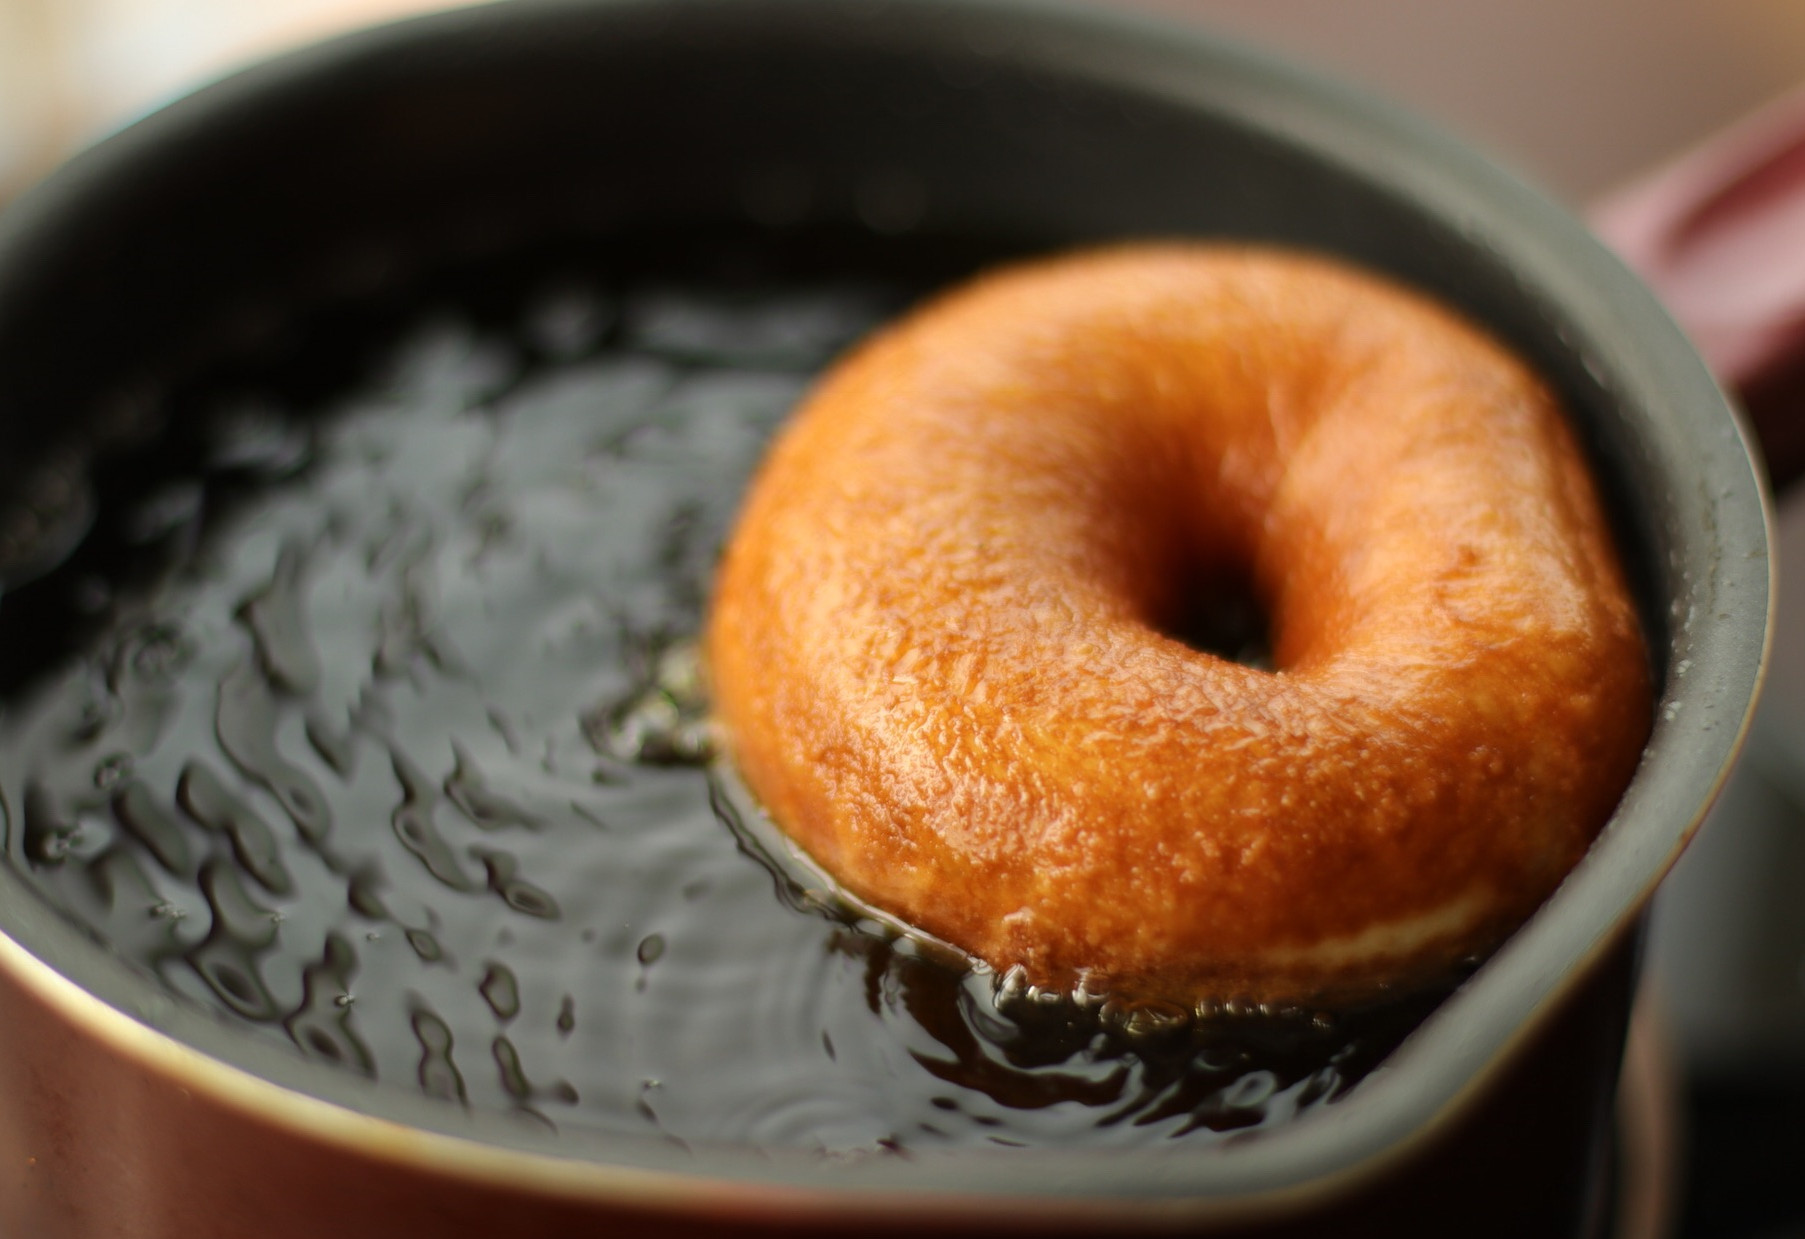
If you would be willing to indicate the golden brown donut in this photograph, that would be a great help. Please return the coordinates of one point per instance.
(941, 655)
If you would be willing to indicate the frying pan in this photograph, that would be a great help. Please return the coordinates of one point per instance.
(318, 175)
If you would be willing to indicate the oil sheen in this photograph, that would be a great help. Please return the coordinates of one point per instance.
(368, 717)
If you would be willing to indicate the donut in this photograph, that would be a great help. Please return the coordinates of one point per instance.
(952, 654)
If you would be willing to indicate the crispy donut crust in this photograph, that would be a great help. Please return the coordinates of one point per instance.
(939, 649)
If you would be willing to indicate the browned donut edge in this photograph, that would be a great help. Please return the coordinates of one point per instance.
(937, 655)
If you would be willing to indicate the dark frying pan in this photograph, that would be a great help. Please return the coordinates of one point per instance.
(123, 1111)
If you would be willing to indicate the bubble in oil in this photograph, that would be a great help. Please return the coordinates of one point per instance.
(438, 1072)
(519, 894)
(230, 959)
(157, 653)
(324, 1025)
(113, 770)
(413, 822)
(501, 990)
(47, 830)
(204, 796)
(490, 810)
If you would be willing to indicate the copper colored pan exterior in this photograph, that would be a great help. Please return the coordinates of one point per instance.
(109, 1131)
(126, 1112)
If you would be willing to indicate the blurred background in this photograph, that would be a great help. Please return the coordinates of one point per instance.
(1582, 96)
(1580, 93)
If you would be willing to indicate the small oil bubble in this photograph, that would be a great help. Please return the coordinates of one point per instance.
(1146, 1020)
(112, 770)
(513, 1074)
(664, 721)
(160, 652)
(94, 717)
(426, 946)
(1251, 1091)
(501, 990)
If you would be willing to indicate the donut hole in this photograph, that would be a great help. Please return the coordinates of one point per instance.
(1220, 613)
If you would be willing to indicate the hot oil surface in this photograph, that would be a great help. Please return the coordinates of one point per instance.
(374, 728)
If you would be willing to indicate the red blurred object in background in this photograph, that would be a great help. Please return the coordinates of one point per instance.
(1719, 233)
